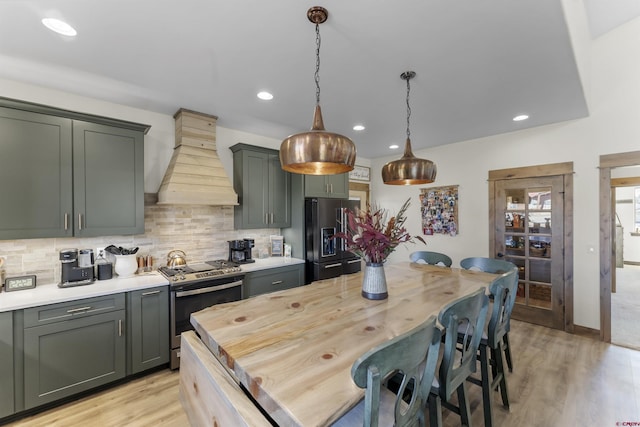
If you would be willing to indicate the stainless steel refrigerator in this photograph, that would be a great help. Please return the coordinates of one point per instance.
(326, 255)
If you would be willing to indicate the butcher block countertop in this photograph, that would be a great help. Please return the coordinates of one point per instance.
(293, 350)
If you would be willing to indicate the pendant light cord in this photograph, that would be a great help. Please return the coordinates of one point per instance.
(317, 74)
(408, 109)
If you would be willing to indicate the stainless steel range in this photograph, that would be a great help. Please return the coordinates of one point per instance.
(195, 287)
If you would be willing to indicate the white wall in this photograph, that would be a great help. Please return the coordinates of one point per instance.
(612, 127)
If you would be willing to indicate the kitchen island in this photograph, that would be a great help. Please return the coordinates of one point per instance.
(292, 350)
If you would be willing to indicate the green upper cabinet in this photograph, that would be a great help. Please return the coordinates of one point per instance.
(108, 180)
(263, 188)
(36, 172)
(331, 186)
(68, 174)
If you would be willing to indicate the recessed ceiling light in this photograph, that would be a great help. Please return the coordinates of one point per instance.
(358, 127)
(520, 118)
(59, 27)
(265, 96)
(394, 146)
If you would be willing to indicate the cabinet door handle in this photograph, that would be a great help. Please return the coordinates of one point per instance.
(66, 221)
(331, 186)
(119, 327)
(266, 217)
(77, 310)
(271, 218)
(277, 282)
(79, 221)
(144, 294)
(326, 188)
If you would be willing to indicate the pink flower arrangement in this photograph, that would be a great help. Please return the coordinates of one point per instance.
(370, 236)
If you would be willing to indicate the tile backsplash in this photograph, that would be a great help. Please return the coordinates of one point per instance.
(201, 232)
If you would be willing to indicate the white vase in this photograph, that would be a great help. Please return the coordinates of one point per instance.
(126, 265)
(374, 282)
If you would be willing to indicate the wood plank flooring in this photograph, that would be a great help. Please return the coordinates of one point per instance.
(625, 307)
(558, 380)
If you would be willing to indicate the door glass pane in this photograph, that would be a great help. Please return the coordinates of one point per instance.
(515, 198)
(514, 221)
(540, 246)
(521, 295)
(539, 271)
(539, 222)
(540, 295)
(520, 263)
(539, 210)
(514, 245)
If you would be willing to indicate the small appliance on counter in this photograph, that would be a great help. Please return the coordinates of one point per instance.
(104, 267)
(77, 267)
(240, 251)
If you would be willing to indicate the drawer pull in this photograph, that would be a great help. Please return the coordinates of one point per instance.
(333, 265)
(144, 294)
(277, 282)
(77, 310)
(353, 261)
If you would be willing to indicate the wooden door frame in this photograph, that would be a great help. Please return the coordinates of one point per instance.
(566, 170)
(607, 225)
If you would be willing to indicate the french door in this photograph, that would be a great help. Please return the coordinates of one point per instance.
(529, 231)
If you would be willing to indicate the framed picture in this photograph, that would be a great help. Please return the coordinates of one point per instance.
(439, 210)
(360, 173)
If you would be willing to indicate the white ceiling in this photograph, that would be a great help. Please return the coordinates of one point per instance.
(478, 63)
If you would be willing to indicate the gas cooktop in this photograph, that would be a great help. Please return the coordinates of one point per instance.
(199, 271)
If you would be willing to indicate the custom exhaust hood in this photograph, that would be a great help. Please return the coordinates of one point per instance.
(195, 175)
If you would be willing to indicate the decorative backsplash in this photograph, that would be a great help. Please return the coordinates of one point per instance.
(201, 232)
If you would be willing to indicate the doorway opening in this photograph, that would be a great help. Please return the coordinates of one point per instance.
(359, 191)
(625, 277)
(608, 183)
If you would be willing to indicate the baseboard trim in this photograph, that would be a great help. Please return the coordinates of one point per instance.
(583, 331)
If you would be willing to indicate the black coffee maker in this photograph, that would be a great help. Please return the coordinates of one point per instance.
(240, 251)
(77, 267)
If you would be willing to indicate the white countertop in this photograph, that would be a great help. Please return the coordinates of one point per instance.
(272, 262)
(51, 293)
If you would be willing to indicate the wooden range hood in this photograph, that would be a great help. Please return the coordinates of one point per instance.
(195, 175)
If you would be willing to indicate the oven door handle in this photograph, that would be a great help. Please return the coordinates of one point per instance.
(208, 289)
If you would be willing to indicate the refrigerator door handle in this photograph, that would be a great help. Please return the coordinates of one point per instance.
(332, 265)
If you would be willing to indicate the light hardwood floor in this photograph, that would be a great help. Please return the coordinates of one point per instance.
(625, 307)
(558, 380)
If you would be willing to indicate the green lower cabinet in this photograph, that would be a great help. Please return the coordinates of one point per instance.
(7, 397)
(148, 328)
(273, 279)
(65, 355)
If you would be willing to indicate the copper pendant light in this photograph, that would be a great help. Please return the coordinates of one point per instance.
(409, 170)
(317, 152)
